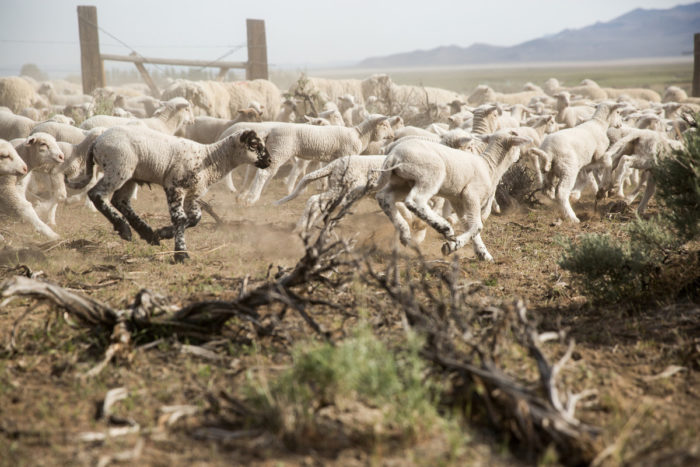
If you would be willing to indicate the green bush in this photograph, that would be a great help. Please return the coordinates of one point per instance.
(360, 371)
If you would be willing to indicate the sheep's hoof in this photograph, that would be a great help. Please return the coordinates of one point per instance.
(181, 256)
(166, 232)
(124, 232)
(448, 247)
(153, 239)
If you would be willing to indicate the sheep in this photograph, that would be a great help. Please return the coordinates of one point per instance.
(74, 163)
(317, 143)
(15, 126)
(638, 150)
(206, 130)
(10, 162)
(34, 151)
(224, 99)
(185, 169)
(570, 116)
(176, 113)
(415, 171)
(567, 152)
(141, 106)
(287, 112)
(16, 93)
(535, 129)
(483, 94)
(49, 90)
(60, 131)
(676, 94)
(641, 94)
(588, 89)
(397, 97)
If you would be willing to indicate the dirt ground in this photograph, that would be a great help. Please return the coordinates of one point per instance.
(644, 363)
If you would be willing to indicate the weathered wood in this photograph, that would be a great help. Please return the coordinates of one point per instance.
(147, 78)
(696, 67)
(257, 50)
(222, 74)
(172, 61)
(92, 67)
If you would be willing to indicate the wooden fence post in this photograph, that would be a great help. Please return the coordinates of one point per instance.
(91, 65)
(696, 67)
(257, 50)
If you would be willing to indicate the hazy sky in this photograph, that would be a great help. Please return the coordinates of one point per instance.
(300, 33)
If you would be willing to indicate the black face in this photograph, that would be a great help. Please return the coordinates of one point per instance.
(254, 143)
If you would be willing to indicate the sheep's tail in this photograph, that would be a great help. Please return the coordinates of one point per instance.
(547, 166)
(388, 169)
(83, 180)
(323, 172)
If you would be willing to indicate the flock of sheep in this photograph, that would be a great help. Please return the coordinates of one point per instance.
(423, 152)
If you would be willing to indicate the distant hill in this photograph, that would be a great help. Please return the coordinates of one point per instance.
(637, 34)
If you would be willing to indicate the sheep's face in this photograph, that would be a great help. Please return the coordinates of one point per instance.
(551, 125)
(249, 115)
(317, 121)
(256, 149)
(10, 162)
(383, 130)
(45, 149)
(615, 118)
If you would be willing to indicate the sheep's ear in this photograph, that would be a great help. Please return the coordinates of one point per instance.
(247, 136)
(308, 119)
(30, 140)
(182, 105)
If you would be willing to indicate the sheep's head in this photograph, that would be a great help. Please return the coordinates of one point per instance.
(317, 121)
(10, 162)
(382, 129)
(255, 145)
(44, 149)
(249, 115)
(481, 95)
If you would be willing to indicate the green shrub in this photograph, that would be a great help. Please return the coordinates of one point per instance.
(360, 371)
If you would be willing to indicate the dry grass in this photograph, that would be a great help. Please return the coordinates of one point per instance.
(44, 406)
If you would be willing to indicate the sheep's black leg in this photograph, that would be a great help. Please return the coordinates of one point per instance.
(194, 215)
(121, 199)
(176, 197)
(97, 196)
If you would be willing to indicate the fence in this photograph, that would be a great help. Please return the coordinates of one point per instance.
(92, 61)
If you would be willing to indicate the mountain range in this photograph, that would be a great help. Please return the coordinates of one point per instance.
(641, 33)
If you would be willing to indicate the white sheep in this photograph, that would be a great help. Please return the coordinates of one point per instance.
(570, 116)
(15, 126)
(224, 99)
(16, 93)
(206, 130)
(172, 116)
(483, 94)
(588, 89)
(640, 149)
(567, 152)
(49, 90)
(74, 163)
(185, 169)
(322, 143)
(60, 131)
(35, 151)
(415, 171)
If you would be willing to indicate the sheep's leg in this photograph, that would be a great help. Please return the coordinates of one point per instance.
(648, 193)
(59, 194)
(566, 182)
(582, 180)
(620, 174)
(194, 215)
(261, 178)
(386, 197)
(470, 213)
(97, 195)
(228, 180)
(176, 198)
(121, 200)
(418, 200)
(298, 168)
(311, 212)
(535, 161)
(25, 210)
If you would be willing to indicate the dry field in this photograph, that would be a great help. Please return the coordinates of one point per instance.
(647, 407)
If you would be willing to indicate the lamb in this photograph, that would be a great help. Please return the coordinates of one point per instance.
(176, 113)
(570, 116)
(588, 89)
(10, 162)
(224, 99)
(16, 93)
(48, 90)
(60, 131)
(349, 176)
(483, 94)
(206, 130)
(638, 150)
(39, 150)
(323, 143)
(415, 171)
(14, 126)
(185, 169)
(535, 129)
(642, 94)
(575, 149)
(288, 111)
(74, 163)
